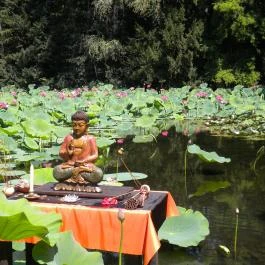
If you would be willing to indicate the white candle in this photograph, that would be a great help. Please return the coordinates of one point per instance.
(31, 178)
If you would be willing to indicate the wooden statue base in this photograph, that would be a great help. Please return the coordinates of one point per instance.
(106, 191)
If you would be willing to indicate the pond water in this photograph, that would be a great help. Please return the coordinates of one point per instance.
(163, 162)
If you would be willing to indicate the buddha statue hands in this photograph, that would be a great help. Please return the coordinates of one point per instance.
(79, 152)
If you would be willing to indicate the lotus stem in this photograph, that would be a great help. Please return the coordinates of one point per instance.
(117, 166)
(120, 248)
(121, 218)
(236, 233)
(136, 181)
(185, 172)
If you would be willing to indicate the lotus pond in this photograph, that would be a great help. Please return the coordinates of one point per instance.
(217, 189)
(166, 137)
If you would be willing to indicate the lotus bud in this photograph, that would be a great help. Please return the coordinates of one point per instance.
(121, 151)
(237, 211)
(121, 215)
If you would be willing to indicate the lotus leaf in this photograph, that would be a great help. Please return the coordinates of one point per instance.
(8, 118)
(143, 139)
(12, 130)
(207, 156)
(210, 186)
(145, 121)
(43, 176)
(124, 176)
(22, 157)
(61, 131)
(8, 144)
(37, 128)
(35, 113)
(188, 229)
(12, 173)
(103, 142)
(31, 143)
(7, 165)
(18, 220)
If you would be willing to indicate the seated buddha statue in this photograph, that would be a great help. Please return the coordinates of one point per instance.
(79, 152)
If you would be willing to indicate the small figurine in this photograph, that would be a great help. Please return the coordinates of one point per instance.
(79, 152)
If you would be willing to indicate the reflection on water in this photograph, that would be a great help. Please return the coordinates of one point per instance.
(163, 162)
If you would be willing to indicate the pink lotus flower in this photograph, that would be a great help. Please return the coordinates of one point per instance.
(164, 133)
(220, 99)
(164, 98)
(3, 105)
(62, 95)
(43, 94)
(120, 141)
(121, 94)
(202, 94)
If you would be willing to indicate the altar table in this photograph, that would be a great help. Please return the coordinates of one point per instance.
(98, 228)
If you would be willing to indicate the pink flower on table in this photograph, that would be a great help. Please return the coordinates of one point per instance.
(109, 201)
(220, 99)
(164, 133)
(164, 98)
(120, 141)
(43, 94)
(3, 105)
(202, 94)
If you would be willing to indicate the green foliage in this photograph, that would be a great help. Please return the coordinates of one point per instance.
(225, 77)
(131, 41)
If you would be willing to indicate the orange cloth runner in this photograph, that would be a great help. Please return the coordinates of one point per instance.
(99, 228)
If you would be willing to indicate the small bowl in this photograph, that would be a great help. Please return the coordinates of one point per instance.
(32, 196)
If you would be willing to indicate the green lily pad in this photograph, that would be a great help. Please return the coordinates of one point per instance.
(209, 157)
(210, 186)
(124, 176)
(66, 251)
(143, 139)
(188, 229)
